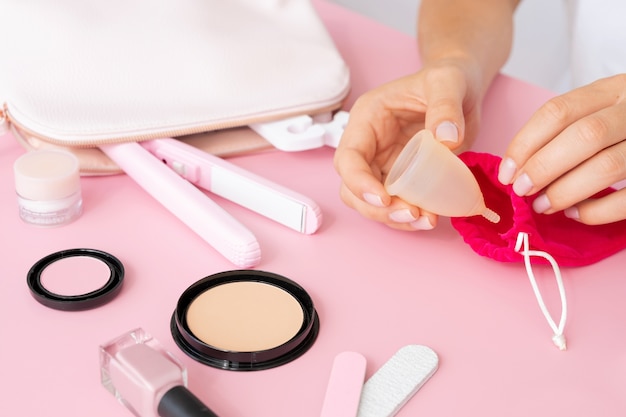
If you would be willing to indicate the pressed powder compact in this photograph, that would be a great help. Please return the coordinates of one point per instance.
(245, 320)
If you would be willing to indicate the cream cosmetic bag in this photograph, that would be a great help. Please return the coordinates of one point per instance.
(82, 73)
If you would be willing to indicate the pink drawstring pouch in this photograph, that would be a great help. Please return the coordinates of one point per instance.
(570, 242)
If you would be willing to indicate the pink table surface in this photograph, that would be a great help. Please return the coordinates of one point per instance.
(375, 289)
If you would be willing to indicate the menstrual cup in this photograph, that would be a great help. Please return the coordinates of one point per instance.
(429, 175)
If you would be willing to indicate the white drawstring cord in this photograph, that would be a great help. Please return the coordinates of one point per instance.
(559, 337)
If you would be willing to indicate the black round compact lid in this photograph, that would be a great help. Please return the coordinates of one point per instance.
(91, 299)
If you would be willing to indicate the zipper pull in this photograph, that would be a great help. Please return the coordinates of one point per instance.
(301, 133)
(4, 121)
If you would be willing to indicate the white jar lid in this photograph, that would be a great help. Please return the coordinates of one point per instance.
(47, 175)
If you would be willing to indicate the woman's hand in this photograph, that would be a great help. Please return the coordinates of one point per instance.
(440, 98)
(573, 147)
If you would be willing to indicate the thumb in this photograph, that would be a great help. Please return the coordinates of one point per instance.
(444, 111)
(447, 131)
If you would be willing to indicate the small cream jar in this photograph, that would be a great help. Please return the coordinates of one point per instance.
(47, 183)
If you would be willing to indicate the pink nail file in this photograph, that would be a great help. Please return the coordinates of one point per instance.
(344, 385)
(397, 381)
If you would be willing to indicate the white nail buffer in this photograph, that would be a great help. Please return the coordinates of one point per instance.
(397, 381)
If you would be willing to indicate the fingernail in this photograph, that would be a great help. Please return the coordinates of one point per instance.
(522, 185)
(572, 213)
(373, 199)
(447, 132)
(422, 223)
(541, 204)
(506, 171)
(402, 216)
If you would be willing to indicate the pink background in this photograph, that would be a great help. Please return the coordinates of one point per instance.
(375, 289)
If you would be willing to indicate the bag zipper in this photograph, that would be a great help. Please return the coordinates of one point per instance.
(8, 120)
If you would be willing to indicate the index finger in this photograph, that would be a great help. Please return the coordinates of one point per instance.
(529, 146)
(353, 159)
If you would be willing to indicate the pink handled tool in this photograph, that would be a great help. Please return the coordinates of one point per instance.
(189, 204)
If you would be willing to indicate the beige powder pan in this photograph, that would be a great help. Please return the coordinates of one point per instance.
(245, 320)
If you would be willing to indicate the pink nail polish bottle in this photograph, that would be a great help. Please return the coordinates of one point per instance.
(147, 379)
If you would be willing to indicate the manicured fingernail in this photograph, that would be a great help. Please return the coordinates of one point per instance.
(506, 171)
(572, 213)
(402, 216)
(373, 199)
(447, 132)
(422, 223)
(522, 185)
(541, 204)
